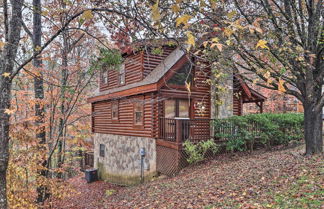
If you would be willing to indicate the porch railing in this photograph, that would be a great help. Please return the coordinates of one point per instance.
(178, 129)
(225, 130)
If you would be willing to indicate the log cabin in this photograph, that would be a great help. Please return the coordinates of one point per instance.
(148, 105)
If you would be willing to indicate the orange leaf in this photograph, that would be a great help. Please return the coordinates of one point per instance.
(281, 86)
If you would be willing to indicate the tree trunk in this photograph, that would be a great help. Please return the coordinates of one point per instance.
(313, 127)
(4, 139)
(64, 74)
(39, 96)
(3, 191)
(38, 81)
(61, 151)
(7, 60)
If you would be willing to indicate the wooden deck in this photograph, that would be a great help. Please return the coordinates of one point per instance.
(179, 129)
(172, 133)
(171, 157)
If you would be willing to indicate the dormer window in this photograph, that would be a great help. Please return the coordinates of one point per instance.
(122, 74)
(104, 77)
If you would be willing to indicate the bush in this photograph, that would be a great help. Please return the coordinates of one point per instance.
(243, 132)
(197, 151)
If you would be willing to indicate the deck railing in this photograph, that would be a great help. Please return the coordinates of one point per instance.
(180, 129)
(225, 130)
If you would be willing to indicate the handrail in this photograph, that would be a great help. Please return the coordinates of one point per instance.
(180, 129)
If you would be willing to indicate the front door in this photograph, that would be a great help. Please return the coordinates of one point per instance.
(176, 108)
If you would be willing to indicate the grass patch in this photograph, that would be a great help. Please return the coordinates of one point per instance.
(306, 192)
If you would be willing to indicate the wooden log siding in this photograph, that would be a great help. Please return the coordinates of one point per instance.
(199, 96)
(133, 72)
(155, 111)
(137, 66)
(102, 122)
(237, 104)
(202, 90)
(151, 61)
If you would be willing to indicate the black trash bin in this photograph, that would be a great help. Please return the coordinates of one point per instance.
(91, 175)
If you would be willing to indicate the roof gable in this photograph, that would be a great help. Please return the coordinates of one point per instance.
(152, 79)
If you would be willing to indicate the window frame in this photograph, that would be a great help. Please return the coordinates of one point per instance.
(177, 107)
(102, 149)
(115, 105)
(122, 74)
(139, 104)
(102, 81)
(191, 80)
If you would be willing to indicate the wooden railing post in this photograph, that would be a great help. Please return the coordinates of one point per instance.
(178, 130)
(160, 125)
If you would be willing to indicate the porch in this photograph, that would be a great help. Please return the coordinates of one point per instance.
(173, 132)
(171, 157)
(177, 130)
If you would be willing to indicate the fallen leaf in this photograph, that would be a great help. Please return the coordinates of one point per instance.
(6, 74)
(190, 40)
(1, 44)
(219, 47)
(228, 32)
(9, 112)
(175, 8)
(262, 44)
(281, 86)
(155, 11)
(215, 40)
(184, 19)
(87, 15)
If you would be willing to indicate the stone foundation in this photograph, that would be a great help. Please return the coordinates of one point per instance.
(121, 163)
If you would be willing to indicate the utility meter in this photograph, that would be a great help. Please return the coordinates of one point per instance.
(142, 151)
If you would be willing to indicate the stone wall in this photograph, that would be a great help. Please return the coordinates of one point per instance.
(222, 101)
(121, 163)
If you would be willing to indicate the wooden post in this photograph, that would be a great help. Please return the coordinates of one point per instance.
(179, 139)
(178, 131)
(261, 107)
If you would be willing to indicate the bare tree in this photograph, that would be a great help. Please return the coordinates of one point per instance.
(7, 64)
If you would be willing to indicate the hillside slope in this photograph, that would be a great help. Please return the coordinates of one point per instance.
(275, 179)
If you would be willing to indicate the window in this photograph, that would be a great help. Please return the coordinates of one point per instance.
(183, 75)
(176, 108)
(183, 108)
(122, 74)
(138, 113)
(104, 77)
(170, 108)
(102, 150)
(114, 110)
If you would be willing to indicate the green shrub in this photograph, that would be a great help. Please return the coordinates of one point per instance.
(237, 144)
(196, 151)
(243, 132)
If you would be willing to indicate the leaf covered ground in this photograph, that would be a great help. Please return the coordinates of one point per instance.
(265, 179)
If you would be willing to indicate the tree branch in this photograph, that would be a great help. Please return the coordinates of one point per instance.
(58, 32)
(26, 29)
